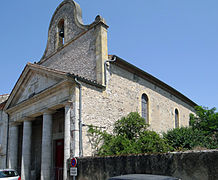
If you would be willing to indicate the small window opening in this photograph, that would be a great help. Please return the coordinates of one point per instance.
(61, 33)
(144, 108)
(176, 118)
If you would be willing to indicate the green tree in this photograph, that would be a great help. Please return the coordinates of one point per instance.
(151, 142)
(131, 126)
(185, 138)
(130, 136)
(205, 120)
(203, 131)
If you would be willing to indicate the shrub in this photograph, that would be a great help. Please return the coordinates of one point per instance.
(188, 138)
(130, 136)
(130, 126)
(205, 120)
(150, 141)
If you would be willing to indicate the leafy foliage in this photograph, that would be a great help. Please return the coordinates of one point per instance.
(151, 142)
(130, 136)
(203, 131)
(95, 137)
(206, 120)
(187, 138)
(130, 126)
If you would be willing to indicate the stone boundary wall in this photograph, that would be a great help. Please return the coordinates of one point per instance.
(191, 165)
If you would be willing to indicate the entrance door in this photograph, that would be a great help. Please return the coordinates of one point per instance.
(59, 159)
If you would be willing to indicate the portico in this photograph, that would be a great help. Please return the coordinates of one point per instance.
(43, 117)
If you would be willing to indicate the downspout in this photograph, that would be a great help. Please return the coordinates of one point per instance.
(80, 118)
(105, 68)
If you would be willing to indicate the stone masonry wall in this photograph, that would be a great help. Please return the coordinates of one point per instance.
(3, 138)
(82, 49)
(65, 11)
(199, 165)
(3, 132)
(76, 57)
(122, 96)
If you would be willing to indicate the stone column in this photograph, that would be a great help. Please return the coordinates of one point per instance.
(46, 161)
(13, 147)
(26, 150)
(66, 139)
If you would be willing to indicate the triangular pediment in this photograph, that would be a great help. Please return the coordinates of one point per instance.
(36, 82)
(33, 81)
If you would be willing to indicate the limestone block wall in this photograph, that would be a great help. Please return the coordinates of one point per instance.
(198, 165)
(3, 138)
(122, 96)
(161, 103)
(3, 131)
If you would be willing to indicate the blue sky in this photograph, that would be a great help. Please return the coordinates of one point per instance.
(174, 40)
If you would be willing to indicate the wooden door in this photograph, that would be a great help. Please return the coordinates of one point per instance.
(59, 159)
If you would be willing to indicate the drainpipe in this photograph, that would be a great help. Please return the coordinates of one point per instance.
(80, 118)
(105, 68)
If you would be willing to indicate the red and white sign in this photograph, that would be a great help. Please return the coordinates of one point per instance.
(73, 162)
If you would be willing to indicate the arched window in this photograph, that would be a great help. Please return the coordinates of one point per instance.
(176, 118)
(61, 33)
(144, 107)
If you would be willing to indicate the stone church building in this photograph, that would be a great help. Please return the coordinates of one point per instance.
(76, 83)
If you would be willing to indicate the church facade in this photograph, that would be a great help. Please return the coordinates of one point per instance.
(74, 85)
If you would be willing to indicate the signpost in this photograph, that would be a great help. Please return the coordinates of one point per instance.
(73, 169)
(73, 162)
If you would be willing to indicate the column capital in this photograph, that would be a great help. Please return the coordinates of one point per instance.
(48, 111)
(26, 118)
(14, 124)
(68, 103)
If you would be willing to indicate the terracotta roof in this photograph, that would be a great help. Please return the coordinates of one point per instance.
(2, 105)
(4, 94)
